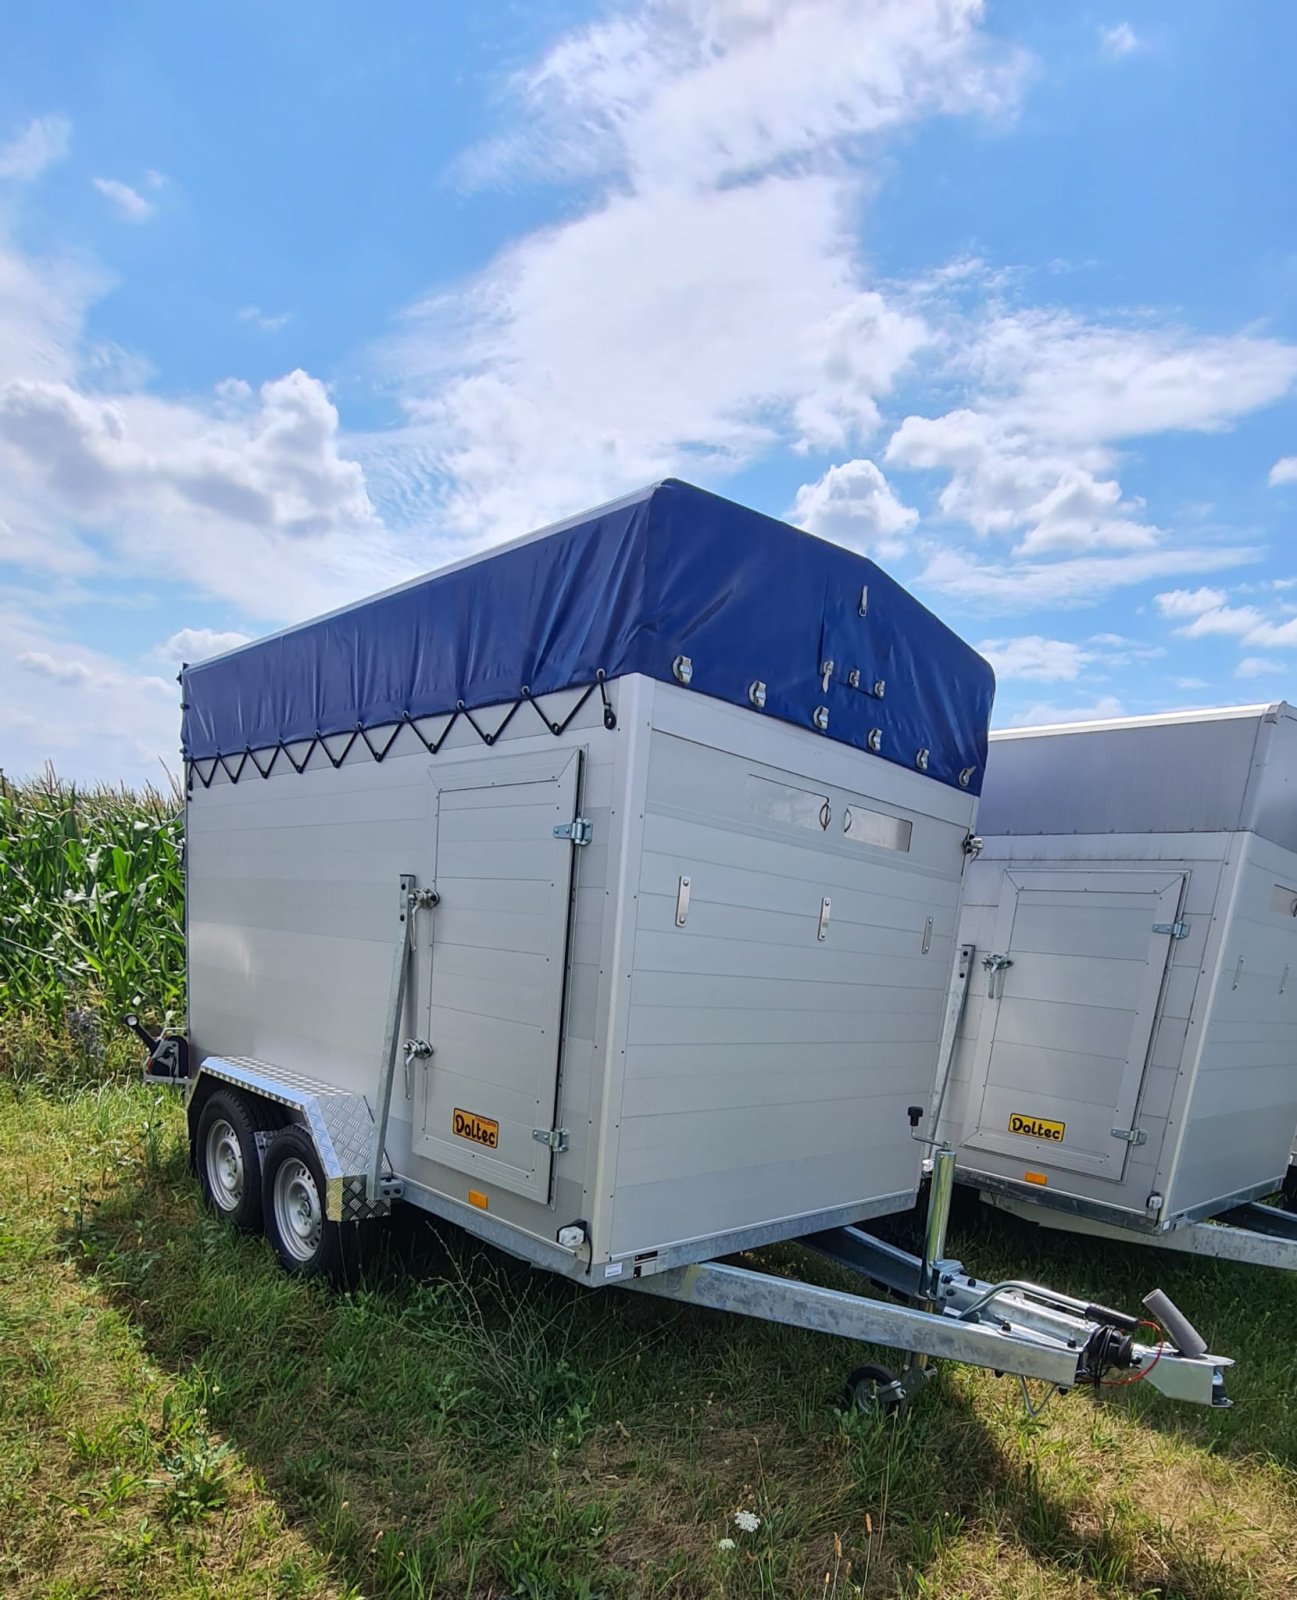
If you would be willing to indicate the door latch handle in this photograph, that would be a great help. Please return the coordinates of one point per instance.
(415, 1050)
(994, 966)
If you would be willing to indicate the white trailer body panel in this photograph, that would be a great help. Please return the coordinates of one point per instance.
(733, 1067)
(1138, 1058)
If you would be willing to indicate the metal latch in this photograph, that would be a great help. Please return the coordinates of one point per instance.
(580, 830)
(1177, 930)
(415, 1050)
(555, 1138)
(993, 966)
(1130, 1135)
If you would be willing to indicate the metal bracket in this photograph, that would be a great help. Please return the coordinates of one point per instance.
(410, 901)
(580, 830)
(555, 1138)
(1133, 1136)
(993, 966)
(956, 994)
(1177, 930)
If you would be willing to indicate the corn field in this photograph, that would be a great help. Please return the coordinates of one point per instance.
(91, 900)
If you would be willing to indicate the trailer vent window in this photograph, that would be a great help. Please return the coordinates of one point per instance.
(1284, 901)
(780, 802)
(876, 828)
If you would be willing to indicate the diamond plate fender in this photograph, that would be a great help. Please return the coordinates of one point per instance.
(341, 1126)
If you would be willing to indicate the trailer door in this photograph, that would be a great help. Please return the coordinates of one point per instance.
(1067, 1024)
(498, 967)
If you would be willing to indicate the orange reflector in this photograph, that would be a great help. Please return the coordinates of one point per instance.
(478, 1199)
(1035, 1177)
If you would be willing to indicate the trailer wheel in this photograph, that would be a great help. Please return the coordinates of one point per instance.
(1290, 1189)
(292, 1196)
(227, 1160)
(875, 1390)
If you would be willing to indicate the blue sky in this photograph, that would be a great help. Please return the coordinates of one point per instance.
(299, 300)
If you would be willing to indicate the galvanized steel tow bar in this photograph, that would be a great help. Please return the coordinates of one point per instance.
(1019, 1328)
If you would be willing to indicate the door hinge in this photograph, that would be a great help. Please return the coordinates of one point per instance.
(1130, 1135)
(555, 1138)
(580, 830)
(1177, 930)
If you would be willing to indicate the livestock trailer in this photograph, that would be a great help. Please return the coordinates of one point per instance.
(1127, 1056)
(598, 894)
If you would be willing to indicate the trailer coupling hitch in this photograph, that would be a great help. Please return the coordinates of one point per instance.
(168, 1058)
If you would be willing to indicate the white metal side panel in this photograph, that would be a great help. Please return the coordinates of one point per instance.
(1156, 775)
(292, 885)
(1240, 1121)
(1064, 1037)
(1271, 804)
(499, 939)
(774, 1042)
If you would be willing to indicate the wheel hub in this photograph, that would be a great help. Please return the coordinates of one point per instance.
(224, 1165)
(298, 1213)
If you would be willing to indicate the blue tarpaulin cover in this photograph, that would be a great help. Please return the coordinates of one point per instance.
(672, 571)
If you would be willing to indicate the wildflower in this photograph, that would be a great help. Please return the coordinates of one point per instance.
(725, 1544)
(747, 1521)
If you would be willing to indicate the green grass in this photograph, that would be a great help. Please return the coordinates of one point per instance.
(178, 1418)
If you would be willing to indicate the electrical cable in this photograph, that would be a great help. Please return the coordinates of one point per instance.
(1123, 1383)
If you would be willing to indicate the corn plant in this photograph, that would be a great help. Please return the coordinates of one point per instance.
(91, 899)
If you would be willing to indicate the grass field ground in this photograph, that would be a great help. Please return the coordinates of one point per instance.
(177, 1418)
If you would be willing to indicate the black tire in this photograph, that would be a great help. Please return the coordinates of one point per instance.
(293, 1191)
(226, 1159)
(875, 1391)
(1290, 1189)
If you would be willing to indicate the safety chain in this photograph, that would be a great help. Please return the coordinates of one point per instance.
(234, 768)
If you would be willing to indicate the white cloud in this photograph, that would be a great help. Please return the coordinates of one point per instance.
(1062, 378)
(129, 202)
(191, 645)
(854, 505)
(733, 327)
(1283, 471)
(1082, 580)
(1189, 602)
(249, 496)
(1209, 615)
(1119, 40)
(1229, 621)
(41, 143)
(94, 717)
(45, 665)
(1269, 635)
(1259, 667)
(1032, 455)
(42, 303)
(710, 91)
(1036, 658)
(265, 321)
(1045, 714)
(710, 303)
